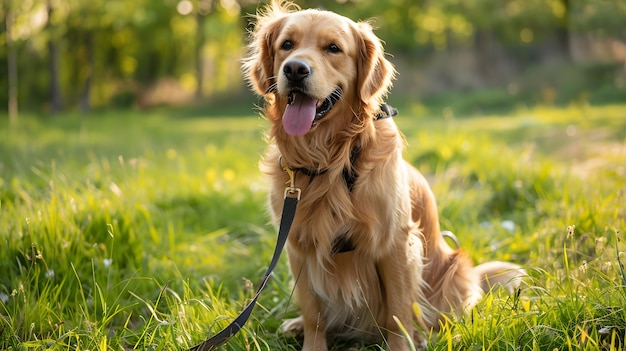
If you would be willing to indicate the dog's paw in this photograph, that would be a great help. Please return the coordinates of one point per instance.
(421, 344)
(293, 328)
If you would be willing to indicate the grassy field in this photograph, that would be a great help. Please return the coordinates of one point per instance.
(149, 230)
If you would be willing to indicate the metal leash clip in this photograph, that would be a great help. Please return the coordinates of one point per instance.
(291, 190)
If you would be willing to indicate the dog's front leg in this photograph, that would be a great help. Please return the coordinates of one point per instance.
(311, 324)
(399, 273)
(314, 325)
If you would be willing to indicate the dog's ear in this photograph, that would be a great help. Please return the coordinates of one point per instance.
(374, 72)
(258, 66)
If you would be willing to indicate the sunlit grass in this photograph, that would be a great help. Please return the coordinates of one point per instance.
(150, 231)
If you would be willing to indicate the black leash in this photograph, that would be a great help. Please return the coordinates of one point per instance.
(292, 196)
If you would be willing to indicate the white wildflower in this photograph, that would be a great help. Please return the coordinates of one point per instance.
(583, 267)
(508, 225)
(600, 244)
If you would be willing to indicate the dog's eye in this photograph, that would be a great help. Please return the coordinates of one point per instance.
(333, 48)
(287, 45)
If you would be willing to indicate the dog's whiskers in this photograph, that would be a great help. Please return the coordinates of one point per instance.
(273, 88)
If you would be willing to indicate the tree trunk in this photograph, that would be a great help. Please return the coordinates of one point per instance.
(56, 100)
(11, 66)
(565, 33)
(483, 45)
(200, 40)
(85, 104)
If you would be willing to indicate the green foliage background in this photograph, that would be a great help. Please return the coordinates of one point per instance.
(116, 52)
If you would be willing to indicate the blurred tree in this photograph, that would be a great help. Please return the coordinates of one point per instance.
(203, 9)
(56, 99)
(9, 18)
(599, 17)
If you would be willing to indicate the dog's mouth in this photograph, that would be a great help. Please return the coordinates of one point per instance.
(303, 111)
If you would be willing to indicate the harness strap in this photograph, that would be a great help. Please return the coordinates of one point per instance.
(289, 212)
(386, 111)
(349, 175)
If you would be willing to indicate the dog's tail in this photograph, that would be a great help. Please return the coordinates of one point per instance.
(499, 274)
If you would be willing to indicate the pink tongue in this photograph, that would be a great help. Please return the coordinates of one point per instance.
(299, 115)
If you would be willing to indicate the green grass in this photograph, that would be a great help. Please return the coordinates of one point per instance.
(150, 231)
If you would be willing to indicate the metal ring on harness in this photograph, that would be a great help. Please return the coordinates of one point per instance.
(450, 235)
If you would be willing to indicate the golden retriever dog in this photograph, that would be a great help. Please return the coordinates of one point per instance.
(365, 244)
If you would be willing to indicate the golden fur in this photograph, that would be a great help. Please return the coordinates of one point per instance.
(390, 215)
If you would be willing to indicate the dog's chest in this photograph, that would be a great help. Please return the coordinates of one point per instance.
(347, 280)
(349, 289)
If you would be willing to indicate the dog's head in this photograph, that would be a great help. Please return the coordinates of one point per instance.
(314, 65)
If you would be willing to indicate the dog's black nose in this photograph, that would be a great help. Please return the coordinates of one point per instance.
(296, 70)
